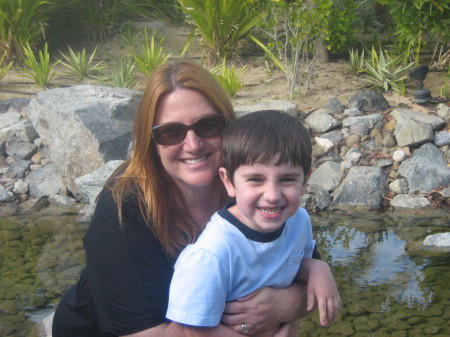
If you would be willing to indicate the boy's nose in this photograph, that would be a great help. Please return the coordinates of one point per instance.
(272, 192)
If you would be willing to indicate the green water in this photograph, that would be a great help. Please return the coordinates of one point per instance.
(389, 284)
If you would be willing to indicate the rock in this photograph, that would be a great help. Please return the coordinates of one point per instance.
(334, 106)
(91, 184)
(353, 112)
(438, 240)
(404, 115)
(284, 106)
(45, 182)
(426, 169)
(359, 129)
(17, 169)
(5, 195)
(369, 100)
(352, 140)
(20, 187)
(363, 186)
(93, 120)
(389, 141)
(442, 138)
(326, 176)
(21, 150)
(369, 121)
(22, 131)
(8, 118)
(335, 136)
(354, 155)
(320, 121)
(409, 201)
(399, 186)
(413, 133)
(443, 111)
(399, 156)
(324, 143)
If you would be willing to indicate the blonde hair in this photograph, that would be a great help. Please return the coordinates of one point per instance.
(160, 200)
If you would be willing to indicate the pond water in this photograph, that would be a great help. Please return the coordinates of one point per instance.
(389, 284)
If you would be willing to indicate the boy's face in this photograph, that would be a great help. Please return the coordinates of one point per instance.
(266, 194)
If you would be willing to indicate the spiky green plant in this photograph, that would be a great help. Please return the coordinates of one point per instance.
(381, 71)
(221, 24)
(229, 77)
(122, 75)
(128, 38)
(4, 68)
(151, 55)
(41, 71)
(356, 61)
(80, 66)
(21, 23)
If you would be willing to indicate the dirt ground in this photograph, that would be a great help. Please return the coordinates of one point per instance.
(332, 79)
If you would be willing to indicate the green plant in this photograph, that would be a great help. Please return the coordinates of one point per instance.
(296, 32)
(229, 77)
(41, 71)
(341, 25)
(151, 55)
(4, 68)
(127, 37)
(356, 61)
(80, 65)
(416, 22)
(122, 75)
(381, 71)
(21, 23)
(223, 25)
(101, 17)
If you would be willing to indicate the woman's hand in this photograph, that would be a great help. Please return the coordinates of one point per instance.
(266, 308)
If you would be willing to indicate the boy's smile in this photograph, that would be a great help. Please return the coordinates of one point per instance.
(266, 194)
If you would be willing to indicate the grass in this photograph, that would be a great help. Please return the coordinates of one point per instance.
(40, 70)
(80, 66)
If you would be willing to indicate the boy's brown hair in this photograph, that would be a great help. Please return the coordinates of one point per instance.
(260, 136)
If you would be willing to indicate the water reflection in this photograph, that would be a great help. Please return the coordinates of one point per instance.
(389, 285)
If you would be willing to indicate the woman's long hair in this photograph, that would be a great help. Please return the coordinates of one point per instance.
(161, 202)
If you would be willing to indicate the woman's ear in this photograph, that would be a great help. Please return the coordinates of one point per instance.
(227, 182)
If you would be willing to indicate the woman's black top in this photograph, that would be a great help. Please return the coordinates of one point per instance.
(125, 285)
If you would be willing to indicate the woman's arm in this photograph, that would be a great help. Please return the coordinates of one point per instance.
(267, 308)
(179, 330)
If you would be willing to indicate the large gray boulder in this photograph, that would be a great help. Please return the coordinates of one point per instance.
(363, 186)
(426, 169)
(84, 126)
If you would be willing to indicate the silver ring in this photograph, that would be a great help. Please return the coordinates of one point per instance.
(244, 329)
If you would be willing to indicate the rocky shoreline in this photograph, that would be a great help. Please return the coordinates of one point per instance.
(61, 146)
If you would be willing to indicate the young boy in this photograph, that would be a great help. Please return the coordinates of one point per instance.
(262, 238)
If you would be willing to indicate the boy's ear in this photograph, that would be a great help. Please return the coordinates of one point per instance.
(305, 181)
(227, 182)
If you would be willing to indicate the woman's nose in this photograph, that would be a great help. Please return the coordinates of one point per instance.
(192, 142)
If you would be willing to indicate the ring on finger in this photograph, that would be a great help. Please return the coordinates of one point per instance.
(244, 329)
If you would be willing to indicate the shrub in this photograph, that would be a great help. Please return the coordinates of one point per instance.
(222, 25)
(41, 71)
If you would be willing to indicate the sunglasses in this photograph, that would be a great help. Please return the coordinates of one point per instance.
(174, 133)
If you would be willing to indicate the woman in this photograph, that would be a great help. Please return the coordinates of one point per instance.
(153, 206)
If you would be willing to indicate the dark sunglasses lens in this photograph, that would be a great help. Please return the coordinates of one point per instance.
(174, 133)
(170, 134)
(210, 127)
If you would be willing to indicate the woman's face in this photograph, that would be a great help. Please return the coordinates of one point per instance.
(194, 162)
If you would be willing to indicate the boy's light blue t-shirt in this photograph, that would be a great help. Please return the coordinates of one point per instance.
(230, 260)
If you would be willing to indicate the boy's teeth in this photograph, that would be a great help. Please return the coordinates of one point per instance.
(270, 210)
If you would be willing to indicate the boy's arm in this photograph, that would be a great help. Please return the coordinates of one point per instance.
(321, 287)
